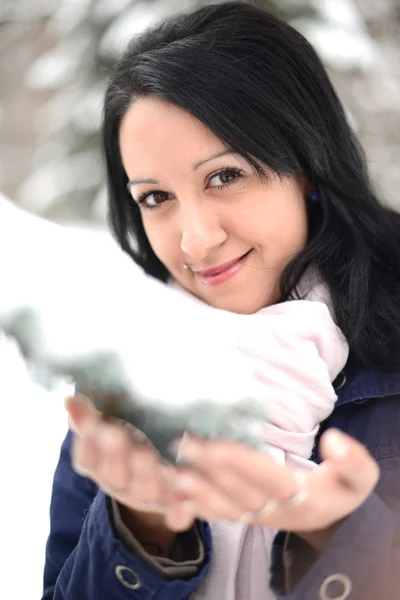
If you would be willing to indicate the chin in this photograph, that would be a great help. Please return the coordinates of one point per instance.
(235, 305)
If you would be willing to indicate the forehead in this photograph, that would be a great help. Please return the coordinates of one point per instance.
(154, 129)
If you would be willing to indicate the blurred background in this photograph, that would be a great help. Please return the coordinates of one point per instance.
(55, 56)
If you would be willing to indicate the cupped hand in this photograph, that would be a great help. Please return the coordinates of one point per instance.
(120, 460)
(222, 480)
(230, 481)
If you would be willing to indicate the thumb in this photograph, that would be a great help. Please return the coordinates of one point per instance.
(80, 412)
(354, 464)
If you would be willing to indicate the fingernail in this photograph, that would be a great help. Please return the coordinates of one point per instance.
(337, 443)
(79, 402)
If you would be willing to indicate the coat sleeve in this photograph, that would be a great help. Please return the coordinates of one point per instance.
(362, 559)
(85, 558)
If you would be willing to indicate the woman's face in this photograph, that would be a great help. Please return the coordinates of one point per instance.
(205, 206)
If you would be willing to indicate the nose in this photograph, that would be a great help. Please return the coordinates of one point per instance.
(202, 231)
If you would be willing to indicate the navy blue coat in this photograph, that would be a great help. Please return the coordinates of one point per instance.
(362, 561)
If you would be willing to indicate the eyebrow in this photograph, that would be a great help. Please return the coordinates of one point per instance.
(194, 167)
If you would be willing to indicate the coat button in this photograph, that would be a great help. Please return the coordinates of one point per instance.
(128, 577)
(335, 587)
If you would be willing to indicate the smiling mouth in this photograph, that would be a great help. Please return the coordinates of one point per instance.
(221, 268)
(224, 272)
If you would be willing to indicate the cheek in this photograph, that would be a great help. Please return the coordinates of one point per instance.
(285, 229)
(163, 243)
(155, 237)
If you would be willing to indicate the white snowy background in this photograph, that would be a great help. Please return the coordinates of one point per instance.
(33, 421)
(32, 426)
(54, 57)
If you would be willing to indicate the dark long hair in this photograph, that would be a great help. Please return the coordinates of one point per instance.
(260, 87)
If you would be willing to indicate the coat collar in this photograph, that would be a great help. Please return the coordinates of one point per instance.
(357, 383)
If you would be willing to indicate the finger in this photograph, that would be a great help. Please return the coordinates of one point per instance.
(80, 411)
(85, 454)
(147, 475)
(355, 466)
(113, 467)
(248, 496)
(83, 420)
(253, 468)
(180, 516)
(210, 502)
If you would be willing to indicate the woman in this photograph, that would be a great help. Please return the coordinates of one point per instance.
(217, 126)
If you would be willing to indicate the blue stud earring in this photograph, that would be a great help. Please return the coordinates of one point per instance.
(314, 197)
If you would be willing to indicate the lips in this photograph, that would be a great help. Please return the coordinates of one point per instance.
(221, 268)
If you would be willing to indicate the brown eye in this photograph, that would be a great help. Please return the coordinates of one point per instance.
(152, 199)
(225, 177)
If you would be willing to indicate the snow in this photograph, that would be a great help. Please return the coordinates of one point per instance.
(19, 10)
(86, 116)
(80, 171)
(105, 11)
(50, 71)
(59, 268)
(33, 425)
(68, 15)
(340, 35)
(340, 48)
(341, 12)
(80, 285)
(130, 22)
(34, 421)
(57, 67)
(54, 116)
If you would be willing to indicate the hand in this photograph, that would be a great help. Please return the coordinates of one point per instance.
(132, 473)
(235, 480)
